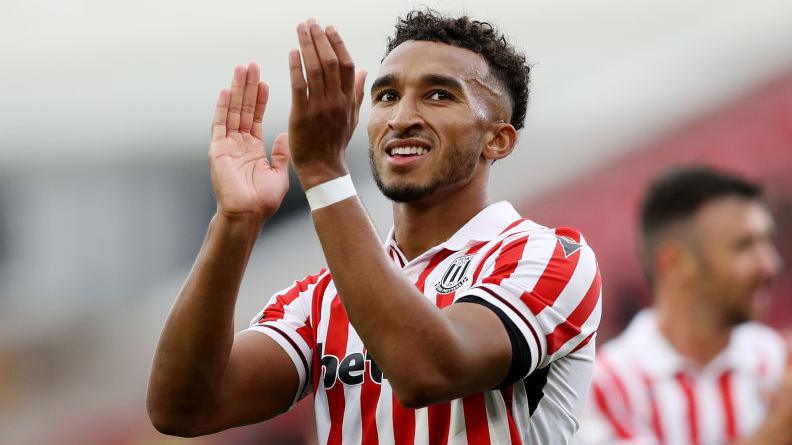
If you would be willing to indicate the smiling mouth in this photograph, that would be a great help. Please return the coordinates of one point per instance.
(405, 152)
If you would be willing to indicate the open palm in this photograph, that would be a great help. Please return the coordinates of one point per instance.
(245, 182)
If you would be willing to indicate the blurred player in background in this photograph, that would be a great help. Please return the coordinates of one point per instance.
(697, 368)
(471, 325)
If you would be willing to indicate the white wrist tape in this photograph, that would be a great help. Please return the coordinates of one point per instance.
(330, 192)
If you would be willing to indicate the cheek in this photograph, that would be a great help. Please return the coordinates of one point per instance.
(461, 131)
(375, 126)
(734, 277)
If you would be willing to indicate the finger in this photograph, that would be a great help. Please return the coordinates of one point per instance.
(313, 69)
(280, 152)
(221, 112)
(327, 58)
(235, 106)
(258, 115)
(346, 65)
(360, 84)
(299, 86)
(249, 98)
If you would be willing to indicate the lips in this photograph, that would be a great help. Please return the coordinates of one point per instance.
(407, 151)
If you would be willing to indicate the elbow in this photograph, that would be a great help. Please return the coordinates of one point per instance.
(413, 400)
(422, 392)
(173, 421)
(172, 426)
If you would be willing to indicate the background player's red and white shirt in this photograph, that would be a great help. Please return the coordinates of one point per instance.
(644, 392)
(543, 283)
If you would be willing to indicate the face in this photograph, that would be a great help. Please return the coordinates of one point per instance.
(736, 257)
(433, 106)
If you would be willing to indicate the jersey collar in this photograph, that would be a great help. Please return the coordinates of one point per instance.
(659, 358)
(485, 226)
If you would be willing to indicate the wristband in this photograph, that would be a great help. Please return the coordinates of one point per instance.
(330, 192)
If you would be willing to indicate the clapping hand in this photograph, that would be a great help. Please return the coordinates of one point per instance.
(325, 103)
(246, 184)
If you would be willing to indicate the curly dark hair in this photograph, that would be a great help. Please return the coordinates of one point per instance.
(509, 66)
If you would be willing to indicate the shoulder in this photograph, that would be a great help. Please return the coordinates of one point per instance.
(311, 280)
(527, 227)
(552, 240)
(761, 351)
(757, 338)
(758, 331)
(300, 293)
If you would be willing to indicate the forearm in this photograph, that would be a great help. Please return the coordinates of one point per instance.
(412, 341)
(194, 347)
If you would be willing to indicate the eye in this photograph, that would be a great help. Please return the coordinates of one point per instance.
(386, 96)
(440, 95)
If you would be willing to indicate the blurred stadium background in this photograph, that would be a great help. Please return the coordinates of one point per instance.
(105, 193)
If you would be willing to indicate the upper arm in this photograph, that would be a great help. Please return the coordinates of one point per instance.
(485, 349)
(260, 382)
(545, 288)
(268, 369)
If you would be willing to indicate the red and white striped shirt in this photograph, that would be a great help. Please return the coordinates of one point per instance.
(644, 392)
(543, 283)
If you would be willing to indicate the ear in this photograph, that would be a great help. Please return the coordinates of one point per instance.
(676, 261)
(501, 141)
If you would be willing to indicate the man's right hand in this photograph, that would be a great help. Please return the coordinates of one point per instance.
(203, 378)
(245, 183)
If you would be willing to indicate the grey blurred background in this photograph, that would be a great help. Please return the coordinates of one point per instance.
(104, 186)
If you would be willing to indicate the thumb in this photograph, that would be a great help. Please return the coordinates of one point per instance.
(360, 84)
(280, 152)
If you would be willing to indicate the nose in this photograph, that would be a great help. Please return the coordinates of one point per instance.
(405, 116)
(770, 262)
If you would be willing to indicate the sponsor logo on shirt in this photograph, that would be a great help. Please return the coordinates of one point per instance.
(350, 370)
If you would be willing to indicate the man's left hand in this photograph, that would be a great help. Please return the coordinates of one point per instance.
(325, 103)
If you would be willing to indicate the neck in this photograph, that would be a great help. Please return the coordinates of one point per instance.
(693, 330)
(423, 224)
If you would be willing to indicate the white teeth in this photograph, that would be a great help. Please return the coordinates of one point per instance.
(420, 151)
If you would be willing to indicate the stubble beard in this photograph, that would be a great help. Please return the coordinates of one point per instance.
(457, 168)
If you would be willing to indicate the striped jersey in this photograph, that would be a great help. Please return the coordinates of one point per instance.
(542, 283)
(644, 392)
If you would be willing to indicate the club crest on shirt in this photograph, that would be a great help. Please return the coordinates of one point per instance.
(455, 276)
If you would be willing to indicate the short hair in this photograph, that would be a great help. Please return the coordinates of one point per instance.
(508, 65)
(677, 194)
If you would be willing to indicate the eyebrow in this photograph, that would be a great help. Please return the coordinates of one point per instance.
(430, 79)
(383, 81)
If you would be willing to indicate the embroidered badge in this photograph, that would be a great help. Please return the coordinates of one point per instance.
(455, 276)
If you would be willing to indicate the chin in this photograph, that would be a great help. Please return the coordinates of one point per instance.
(401, 191)
(741, 315)
(739, 318)
(404, 192)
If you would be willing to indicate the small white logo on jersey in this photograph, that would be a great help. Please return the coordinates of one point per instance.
(455, 276)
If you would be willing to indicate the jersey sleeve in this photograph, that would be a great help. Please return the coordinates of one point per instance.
(545, 286)
(286, 319)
